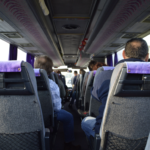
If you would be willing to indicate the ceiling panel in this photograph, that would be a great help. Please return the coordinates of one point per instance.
(60, 25)
(71, 7)
(4, 26)
(70, 43)
(139, 27)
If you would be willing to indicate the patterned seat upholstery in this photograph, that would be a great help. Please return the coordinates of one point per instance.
(126, 120)
(21, 119)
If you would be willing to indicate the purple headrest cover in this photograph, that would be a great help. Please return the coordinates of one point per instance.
(138, 67)
(108, 68)
(94, 72)
(37, 72)
(10, 66)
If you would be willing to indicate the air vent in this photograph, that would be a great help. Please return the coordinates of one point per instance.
(70, 27)
(11, 34)
(129, 35)
(114, 45)
(31, 51)
(26, 45)
(147, 20)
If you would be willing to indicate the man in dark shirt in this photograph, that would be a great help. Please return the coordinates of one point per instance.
(135, 50)
(73, 91)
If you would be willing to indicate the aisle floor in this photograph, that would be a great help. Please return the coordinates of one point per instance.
(80, 138)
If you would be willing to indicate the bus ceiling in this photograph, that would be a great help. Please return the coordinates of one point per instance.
(73, 32)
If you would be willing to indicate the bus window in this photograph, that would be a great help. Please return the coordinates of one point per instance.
(21, 55)
(4, 50)
(119, 53)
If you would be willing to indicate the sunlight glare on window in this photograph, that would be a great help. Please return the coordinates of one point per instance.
(119, 53)
(4, 50)
(21, 55)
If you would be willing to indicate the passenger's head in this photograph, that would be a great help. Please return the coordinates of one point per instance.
(136, 48)
(91, 65)
(82, 71)
(44, 62)
(75, 73)
(100, 64)
(58, 71)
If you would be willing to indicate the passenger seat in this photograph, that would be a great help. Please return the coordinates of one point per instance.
(44, 94)
(126, 120)
(102, 74)
(81, 99)
(21, 119)
(89, 86)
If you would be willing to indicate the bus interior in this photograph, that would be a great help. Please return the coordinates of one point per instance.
(72, 33)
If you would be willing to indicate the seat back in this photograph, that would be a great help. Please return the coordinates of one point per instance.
(77, 89)
(81, 82)
(51, 76)
(126, 120)
(102, 74)
(84, 80)
(21, 119)
(60, 85)
(56, 78)
(89, 86)
(44, 94)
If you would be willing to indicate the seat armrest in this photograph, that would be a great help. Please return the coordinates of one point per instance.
(47, 139)
(97, 142)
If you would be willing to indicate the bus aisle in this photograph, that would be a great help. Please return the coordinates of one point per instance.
(80, 138)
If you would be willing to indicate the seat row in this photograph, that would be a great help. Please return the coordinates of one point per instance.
(126, 118)
(26, 109)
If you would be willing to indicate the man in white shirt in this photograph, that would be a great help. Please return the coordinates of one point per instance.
(44, 62)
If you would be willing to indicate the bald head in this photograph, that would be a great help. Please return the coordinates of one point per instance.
(136, 48)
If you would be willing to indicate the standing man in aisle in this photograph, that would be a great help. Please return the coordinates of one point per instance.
(73, 89)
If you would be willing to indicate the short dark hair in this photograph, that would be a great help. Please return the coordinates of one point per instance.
(58, 71)
(82, 71)
(133, 51)
(75, 72)
(91, 64)
(44, 62)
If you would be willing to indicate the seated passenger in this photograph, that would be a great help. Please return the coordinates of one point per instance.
(93, 65)
(44, 62)
(135, 50)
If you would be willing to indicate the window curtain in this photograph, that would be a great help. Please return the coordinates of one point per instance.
(109, 60)
(13, 52)
(115, 59)
(30, 59)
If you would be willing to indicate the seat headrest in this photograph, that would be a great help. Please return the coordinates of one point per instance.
(10, 66)
(108, 68)
(138, 67)
(132, 79)
(37, 72)
(94, 72)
